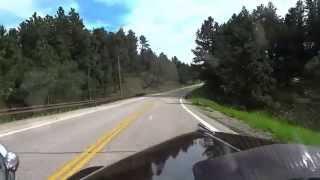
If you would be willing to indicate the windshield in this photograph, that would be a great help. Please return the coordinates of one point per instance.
(86, 84)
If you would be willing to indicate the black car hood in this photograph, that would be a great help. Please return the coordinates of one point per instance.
(175, 159)
(275, 162)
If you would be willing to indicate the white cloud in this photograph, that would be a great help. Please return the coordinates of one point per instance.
(23, 9)
(66, 4)
(96, 24)
(20, 8)
(170, 25)
(113, 2)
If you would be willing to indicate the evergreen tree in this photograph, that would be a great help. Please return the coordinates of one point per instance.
(59, 60)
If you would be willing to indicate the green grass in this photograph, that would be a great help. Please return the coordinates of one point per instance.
(279, 128)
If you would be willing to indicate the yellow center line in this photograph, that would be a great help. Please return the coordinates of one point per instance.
(82, 159)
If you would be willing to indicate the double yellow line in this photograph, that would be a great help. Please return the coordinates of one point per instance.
(82, 159)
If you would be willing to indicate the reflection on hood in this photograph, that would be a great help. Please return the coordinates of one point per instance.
(174, 159)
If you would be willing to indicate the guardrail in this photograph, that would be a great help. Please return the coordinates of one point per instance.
(42, 108)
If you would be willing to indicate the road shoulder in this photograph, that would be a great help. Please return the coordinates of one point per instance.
(232, 123)
(15, 127)
(207, 119)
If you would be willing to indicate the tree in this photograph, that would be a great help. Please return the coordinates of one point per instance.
(312, 26)
(145, 53)
(186, 73)
(55, 58)
(132, 43)
(239, 68)
(144, 43)
(205, 48)
(295, 41)
(312, 68)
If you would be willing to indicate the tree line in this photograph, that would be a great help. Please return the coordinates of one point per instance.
(56, 59)
(254, 55)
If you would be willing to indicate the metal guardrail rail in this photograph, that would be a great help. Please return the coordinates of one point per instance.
(42, 108)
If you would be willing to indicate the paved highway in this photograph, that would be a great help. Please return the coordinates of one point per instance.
(54, 147)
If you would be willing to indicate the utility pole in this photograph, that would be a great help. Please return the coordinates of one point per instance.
(120, 80)
(88, 82)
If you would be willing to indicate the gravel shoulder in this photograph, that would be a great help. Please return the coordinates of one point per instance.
(234, 124)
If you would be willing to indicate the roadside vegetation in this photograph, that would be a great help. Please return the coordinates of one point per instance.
(53, 59)
(35, 112)
(280, 128)
(264, 66)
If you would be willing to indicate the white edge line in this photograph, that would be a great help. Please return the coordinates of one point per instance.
(198, 118)
(207, 125)
(101, 108)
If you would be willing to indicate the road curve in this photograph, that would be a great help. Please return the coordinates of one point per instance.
(53, 146)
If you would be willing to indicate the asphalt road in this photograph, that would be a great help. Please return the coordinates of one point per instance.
(54, 145)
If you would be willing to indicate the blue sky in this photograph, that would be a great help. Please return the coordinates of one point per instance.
(169, 25)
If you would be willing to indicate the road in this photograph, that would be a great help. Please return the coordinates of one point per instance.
(53, 146)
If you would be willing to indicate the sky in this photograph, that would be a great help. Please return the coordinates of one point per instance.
(169, 25)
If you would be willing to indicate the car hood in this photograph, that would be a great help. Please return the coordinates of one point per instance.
(174, 159)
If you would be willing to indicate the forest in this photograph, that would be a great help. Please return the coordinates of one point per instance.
(261, 60)
(55, 59)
